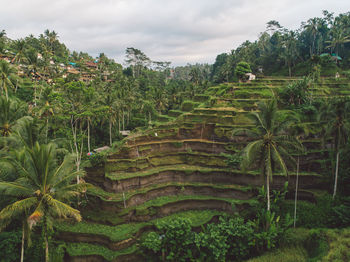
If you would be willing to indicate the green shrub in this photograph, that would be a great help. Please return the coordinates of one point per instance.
(316, 244)
(241, 69)
(229, 240)
(233, 160)
(173, 242)
(10, 246)
(311, 215)
(98, 159)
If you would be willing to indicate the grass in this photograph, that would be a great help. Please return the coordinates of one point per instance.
(85, 249)
(149, 206)
(328, 245)
(114, 233)
(180, 167)
(286, 254)
(107, 196)
(339, 245)
(125, 231)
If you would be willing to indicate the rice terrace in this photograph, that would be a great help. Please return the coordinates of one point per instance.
(109, 154)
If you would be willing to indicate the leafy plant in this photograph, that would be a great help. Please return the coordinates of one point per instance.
(233, 160)
(173, 242)
(241, 69)
(97, 159)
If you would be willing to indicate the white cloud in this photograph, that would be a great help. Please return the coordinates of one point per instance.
(181, 31)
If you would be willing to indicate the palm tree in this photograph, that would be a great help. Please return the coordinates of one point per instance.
(42, 188)
(7, 76)
(271, 143)
(46, 107)
(33, 65)
(289, 53)
(338, 39)
(312, 27)
(10, 111)
(20, 48)
(335, 117)
(51, 38)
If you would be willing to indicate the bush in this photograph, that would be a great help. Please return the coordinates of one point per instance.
(233, 160)
(98, 159)
(174, 241)
(230, 240)
(295, 93)
(10, 246)
(312, 215)
(241, 69)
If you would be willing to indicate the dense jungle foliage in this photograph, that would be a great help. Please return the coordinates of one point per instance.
(57, 106)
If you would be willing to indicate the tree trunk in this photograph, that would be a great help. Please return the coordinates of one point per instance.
(47, 128)
(22, 247)
(296, 194)
(110, 132)
(88, 126)
(34, 94)
(46, 249)
(123, 120)
(336, 175)
(268, 192)
(290, 70)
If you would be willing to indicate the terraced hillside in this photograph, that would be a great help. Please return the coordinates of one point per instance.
(180, 168)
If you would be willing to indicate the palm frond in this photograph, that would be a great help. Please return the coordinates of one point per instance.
(63, 210)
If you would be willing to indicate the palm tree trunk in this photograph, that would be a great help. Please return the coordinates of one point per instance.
(46, 249)
(88, 126)
(336, 175)
(34, 94)
(289, 69)
(268, 191)
(296, 194)
(123, 120)
(22, 247)
(47, 129)
(110, 132)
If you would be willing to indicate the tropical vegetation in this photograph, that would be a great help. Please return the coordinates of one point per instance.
(149, 162)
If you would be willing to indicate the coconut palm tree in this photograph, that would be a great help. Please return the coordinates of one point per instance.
(336, 119)
(312, 27)
(338, 39)
(271, 144)
(7, 76)
(289, 49)
(42, 190)
(20, 48)
(10, 111)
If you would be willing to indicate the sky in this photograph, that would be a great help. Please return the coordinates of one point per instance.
(180, 31)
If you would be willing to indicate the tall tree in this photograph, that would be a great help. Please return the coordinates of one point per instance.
(289, 47)
(137, 60)
(10, 111)
(271, 145)
(7, 77)
(334, 115)
(42, 189)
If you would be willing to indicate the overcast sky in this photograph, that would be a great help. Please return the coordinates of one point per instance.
(180, 31)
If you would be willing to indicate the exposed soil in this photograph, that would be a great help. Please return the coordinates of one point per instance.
(182, 205)
(172, 190)
(216, 177)
(103, 240)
